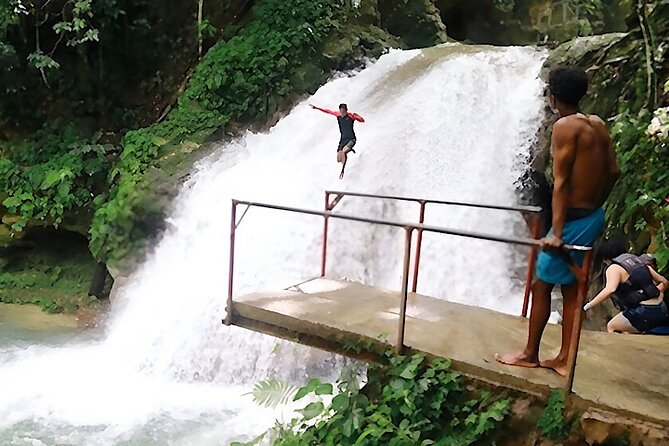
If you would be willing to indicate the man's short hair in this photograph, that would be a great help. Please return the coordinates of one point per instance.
(344, 106)
(568, 84)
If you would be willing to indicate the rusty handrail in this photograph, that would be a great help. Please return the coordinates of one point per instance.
(533, 210)
(526, 241)
(582, 273)
(528, 209)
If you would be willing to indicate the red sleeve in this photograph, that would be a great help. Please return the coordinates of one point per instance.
(325, 110)
(357, 117)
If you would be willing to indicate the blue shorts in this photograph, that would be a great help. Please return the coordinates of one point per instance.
(551, 267)
(647, 317)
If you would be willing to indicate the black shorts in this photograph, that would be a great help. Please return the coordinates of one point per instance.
(343, 143)
(647, 317)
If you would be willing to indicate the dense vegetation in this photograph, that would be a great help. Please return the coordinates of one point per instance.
(637, 206)
(409, 401)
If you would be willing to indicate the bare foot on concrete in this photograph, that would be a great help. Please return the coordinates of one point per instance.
(558, 365)
(517, 359)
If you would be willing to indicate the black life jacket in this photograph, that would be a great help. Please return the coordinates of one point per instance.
(638, 287)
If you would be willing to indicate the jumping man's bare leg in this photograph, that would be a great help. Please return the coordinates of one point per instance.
(541, 309)
(343, 166)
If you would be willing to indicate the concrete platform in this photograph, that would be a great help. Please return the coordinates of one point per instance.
(627, 374)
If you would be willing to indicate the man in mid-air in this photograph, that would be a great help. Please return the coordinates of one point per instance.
(347, 138)
(584, 171)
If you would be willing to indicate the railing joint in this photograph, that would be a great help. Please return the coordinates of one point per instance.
(239, 222)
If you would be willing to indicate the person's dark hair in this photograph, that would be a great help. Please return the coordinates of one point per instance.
(568, 84)
(344, 106)
(612, 247)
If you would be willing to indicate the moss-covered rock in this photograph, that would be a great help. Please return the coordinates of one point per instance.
(50, 268)
(605, 58)
(513, 22)
(417, 22)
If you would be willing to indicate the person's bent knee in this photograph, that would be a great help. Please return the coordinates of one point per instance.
(610, 327)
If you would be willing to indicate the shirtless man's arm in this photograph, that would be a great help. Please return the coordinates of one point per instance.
(563, 143)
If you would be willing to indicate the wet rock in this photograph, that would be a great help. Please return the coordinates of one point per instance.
(417, 22)
(520, 22)
(601, 427)
(605, 59)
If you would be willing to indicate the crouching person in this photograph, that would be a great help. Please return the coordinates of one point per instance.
(638, 291)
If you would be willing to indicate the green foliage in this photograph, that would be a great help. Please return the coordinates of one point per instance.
(74, 25)
(10, 11)
(505, 5)
(50, 175)
(41, 61)
(234, 81)
(419, 403)
(272, 393)
(637, 206)
(589, 15)
(552, 422)
(237, 76)
(637, 202)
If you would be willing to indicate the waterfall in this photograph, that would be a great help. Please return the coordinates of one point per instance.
(452, 122)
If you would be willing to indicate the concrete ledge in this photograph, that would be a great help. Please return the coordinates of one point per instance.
(624, 374)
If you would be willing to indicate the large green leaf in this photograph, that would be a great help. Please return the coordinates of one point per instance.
(272, 392)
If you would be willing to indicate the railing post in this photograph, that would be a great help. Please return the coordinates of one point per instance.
(536, 232)
(325, 234)
(231, 268)
(578, 318)
(405, 287)
(419, 242)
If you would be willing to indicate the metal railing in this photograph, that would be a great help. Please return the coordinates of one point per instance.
(531, 211)
(582, 273)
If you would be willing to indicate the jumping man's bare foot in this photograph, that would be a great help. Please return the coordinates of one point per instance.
(558, 365)
(517, 359)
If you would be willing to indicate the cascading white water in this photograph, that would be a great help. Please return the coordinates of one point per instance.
(451, 122)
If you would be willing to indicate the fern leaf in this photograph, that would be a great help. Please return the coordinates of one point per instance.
(272, 392)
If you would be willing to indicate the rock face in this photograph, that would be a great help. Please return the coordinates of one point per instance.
(603, 57)
(512, 22)
(417, 22)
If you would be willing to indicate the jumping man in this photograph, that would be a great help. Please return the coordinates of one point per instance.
(347, 139)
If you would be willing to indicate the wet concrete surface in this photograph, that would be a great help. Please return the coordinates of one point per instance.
(624, 373)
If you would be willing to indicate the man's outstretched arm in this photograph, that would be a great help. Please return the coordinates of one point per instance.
(325, 110)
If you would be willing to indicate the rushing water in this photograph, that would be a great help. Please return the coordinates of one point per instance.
(451, 122)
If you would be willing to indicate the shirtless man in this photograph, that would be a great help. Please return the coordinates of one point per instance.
(584, 171)
(347, 135)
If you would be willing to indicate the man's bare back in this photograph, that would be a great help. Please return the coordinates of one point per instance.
(592, 158)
